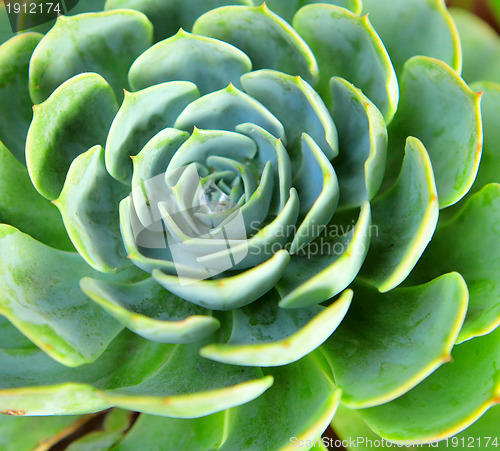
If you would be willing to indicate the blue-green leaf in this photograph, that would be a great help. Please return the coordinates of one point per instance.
(105, 42)
(15, 103)
(89, 204)
(74, 118)
(438, 108)
(362, 142)
(141, 116)
(270, 42)
(347, 46)
(404, 220)
(209, 63)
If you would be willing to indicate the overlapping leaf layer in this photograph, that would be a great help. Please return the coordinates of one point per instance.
(235, 218)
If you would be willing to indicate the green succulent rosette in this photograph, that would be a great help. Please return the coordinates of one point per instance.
(234, 218)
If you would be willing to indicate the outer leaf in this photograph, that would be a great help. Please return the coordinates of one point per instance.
(22, 207)
(328, 265)
(469, 244)
(415, 27)
(199, 433)
(209, 63)
(141, 116)
(299, 406)
(210, 387)
(161, 379)
(15, 102)
(224, 110)
(76, 117)
(349, 426)
(405, 218)
(5, 29)
(271, 43)
(230, 292)
(480, 47)
(168, 16)
(42, 430)
(438, 108)
(40, 295)
(287, 8)
(106, 43)
(438, 409)
(389, 343)
(265, 335)
(89, 206)
(149, 310)
(489, 169)
(11, 338)
(347, 46)
(298, 107)
(362, 142)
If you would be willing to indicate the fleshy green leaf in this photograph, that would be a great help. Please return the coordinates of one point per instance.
(209, 63)
(449, 400)
(362, 143)
(15, 103)
(134, 374)
(415, 27)
(489, 169)
(89, 204)
(328, 265)
(74, 118)
(263, 334)
(147, 309)
(11, 338)
(299, 406)
(198, 433)
(469, 243)
(349, 425)
(270, 42)
(303, 413)
(5, 28)
(298, 107)
(111, 431)
(224, 110)
(404, 220)
(106, 43)
(287, 8)
(438, 108)
(347, 46)
(318, 190)
(388, 343)
(167, 16)
(189, 386)
(40, 295)
(480, 47)
(42, 430)
(141, 116)
(22, 207)
(230, 292)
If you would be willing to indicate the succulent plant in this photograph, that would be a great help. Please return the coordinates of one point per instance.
(244, 221)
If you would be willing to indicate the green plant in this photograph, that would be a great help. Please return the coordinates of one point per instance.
(340, 152)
